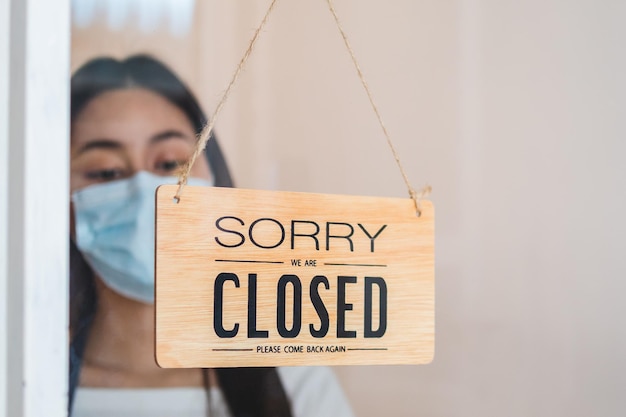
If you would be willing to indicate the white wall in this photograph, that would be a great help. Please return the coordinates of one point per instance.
(512, 111)
(4, 159)
(34, 207)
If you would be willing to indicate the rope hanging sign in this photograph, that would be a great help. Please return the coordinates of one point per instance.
(265, 278)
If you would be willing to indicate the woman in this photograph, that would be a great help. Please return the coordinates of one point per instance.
(133, 124)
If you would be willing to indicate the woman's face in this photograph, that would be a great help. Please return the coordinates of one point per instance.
(122, 132)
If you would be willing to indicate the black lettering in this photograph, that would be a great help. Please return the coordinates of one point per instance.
(319, 306)
(382, 324)
(311, 235)
(347, 237)
(342, 307)
(218, 225)
(252, 330)
(370, 236)
(282, 233)
(281, 306)
(218, 305)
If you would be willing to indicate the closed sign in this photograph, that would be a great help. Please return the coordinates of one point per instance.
(262, 278)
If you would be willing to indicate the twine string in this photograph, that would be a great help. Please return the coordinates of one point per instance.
(412, 193)
(205, 134)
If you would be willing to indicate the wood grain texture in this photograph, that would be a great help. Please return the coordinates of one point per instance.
(193, 247)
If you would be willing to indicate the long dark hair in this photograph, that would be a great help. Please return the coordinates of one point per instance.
(249, 392)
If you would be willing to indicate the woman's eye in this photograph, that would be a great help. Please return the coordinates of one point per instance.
(168, 166)
(103, 175)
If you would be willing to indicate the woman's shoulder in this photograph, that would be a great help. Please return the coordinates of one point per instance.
(314, 391)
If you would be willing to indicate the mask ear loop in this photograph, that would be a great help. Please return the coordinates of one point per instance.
(205, 135)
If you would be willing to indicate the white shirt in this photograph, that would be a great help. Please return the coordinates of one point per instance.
(313, 392)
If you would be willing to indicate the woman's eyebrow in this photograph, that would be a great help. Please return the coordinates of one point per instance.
(98, 144)
(169, 134)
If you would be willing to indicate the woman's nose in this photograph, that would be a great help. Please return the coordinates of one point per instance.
(137, 162)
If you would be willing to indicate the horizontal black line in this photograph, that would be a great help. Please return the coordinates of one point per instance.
(249, 261)
(232, 350)
(367, 349)
(338, 264)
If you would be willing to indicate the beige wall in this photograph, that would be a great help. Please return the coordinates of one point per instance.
(512, 111)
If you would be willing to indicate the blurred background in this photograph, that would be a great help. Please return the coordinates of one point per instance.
(512, 110)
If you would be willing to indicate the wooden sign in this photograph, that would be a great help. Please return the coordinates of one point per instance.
(263, 278)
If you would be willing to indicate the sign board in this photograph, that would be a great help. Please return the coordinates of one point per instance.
(264, 278)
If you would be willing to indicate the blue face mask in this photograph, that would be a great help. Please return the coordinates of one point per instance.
(115, 231)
